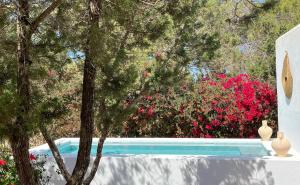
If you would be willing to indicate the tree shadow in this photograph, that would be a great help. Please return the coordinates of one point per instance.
(173, 170)
(145, 170)
(226, 171)
(132, 170)
(52, 170)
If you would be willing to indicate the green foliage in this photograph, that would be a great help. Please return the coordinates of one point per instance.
(8, 102)
(247, 32)
(8, 172)
(160, 38)
(263, 33)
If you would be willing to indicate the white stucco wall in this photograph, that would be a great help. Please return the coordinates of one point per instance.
(289, 110)
(184, 170)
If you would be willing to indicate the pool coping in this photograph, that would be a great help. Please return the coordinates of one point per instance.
(293, 155)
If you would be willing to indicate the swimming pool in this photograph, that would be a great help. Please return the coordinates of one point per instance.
(254, 149)
(179, 161)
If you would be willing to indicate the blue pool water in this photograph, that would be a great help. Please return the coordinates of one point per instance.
(161, 148)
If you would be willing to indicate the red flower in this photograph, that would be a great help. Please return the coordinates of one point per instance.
(195, 123)
(141, 110)
(149, 98)
(212, 83)
(219, 116)
(228, 84)
(2, 162)
(221, 76)
(32, 157)
(214, 102)
(218, 110)
(232, 118)
(150, 112)
(208, 127)
(215, 122)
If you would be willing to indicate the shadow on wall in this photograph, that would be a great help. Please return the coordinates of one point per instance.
(53, 171)
(227, 172)
(182, 171)
(143, 170)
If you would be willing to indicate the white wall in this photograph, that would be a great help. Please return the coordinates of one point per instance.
(145, 170)
(186, 170)
(289, 110)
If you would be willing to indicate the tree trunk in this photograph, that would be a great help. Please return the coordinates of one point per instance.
(20, 145)
(87, 108)
(96, 163)
(19, 139)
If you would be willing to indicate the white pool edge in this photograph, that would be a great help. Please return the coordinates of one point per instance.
(293, 155)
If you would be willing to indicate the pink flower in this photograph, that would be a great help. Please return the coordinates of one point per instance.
(2, 162)
(32, 157)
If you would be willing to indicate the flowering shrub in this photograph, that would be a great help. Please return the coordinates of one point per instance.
(8, 173)
(233, 107)
(220, 107)
(159, 115)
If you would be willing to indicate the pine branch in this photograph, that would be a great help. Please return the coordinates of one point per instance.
(43, 16)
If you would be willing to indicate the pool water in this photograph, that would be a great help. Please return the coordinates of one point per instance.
(253, 149)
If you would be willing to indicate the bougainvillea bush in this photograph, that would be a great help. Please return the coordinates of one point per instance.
(161, 115)
(233, 107)
(226, 107)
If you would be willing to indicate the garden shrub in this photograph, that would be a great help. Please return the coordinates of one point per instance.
(8, 172)
(222, 107)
